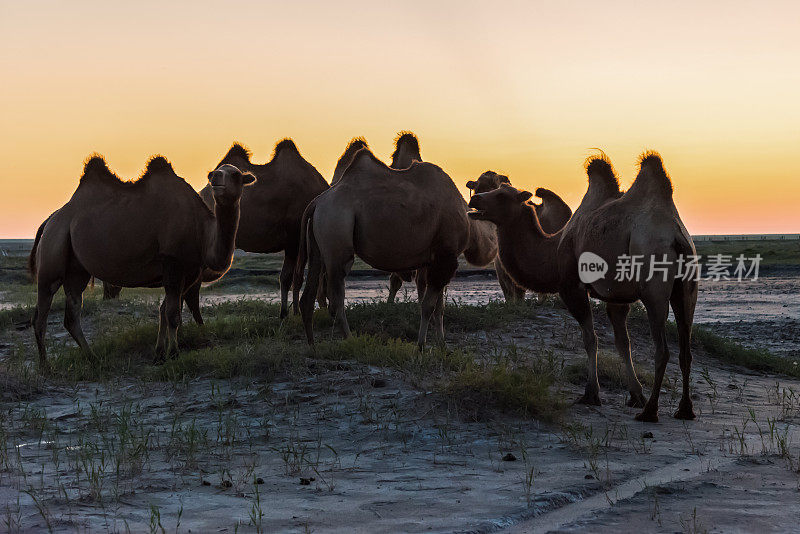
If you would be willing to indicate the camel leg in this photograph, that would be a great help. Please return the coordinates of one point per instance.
(683, 300)
(287, 272)
(192, 299)
(421, 282)
(322, 293)
(505, 281)
(110, 291)
(161, 340)
(618, 315)
(312, 286)
(577, 302)
(45, 294)
(395, 283)
(75, 283)
(657, 310)
(434, 279)
(438, 319)
(171, 312)
(336, 277)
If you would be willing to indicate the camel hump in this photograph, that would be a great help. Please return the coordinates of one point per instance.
(653, 175)
(96, 165)
(237, 151)
(285, 145)
(356, 143)
(599, 170)
(410, 141)
(157, 164)
(365, 157)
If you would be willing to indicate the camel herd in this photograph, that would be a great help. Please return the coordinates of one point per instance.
(407, 218)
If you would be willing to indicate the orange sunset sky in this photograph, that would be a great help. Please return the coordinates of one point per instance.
(523, 88)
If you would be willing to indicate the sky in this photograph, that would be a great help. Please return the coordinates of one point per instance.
(522, 88)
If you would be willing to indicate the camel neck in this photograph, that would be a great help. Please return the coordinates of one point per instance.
(528, 253)
(221, 236)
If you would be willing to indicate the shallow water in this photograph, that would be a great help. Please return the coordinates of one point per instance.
(763, 313)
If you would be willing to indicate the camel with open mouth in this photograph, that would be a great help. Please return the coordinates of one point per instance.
(395, 220)
(152, 232)
(553, 214)
(613, 227)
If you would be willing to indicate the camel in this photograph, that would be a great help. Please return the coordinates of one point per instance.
(482, 246)
(395, 220)
(272, 208)
(553, 214)
(153, 232)
(641, 223)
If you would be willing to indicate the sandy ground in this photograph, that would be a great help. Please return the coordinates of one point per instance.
(355, 448)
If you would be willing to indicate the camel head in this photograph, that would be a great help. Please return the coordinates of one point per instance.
(487, 181)
(500, 205)
(228, 182)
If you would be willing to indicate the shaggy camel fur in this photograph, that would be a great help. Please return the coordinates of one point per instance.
(642, 223)
(482, 246)
(273, 207)
(395, 220)
(154, 232)
(553, 214)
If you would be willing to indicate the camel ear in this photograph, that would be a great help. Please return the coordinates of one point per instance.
(248, 178)
(523, 196)
(209, 175)
(504, 179)
(472, 184)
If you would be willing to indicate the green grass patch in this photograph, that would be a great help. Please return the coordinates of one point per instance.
(729, 351)
(773, 252)
(246, 338)
(610, 372)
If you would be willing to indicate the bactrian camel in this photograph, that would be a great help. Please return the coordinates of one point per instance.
(553, 214)
(482, 246)
(643, 224)
(152, 232)
(395, 220)
(273, 207)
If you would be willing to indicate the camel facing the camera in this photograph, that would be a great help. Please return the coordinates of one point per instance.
(153, 232)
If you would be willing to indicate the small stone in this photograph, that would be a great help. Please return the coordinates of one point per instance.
(647, 435)
(379, 382)
(305, 481)
(259, 480)
(588, 477)
(733, 386)
(226, 484)
(206, 483)
(509, 458)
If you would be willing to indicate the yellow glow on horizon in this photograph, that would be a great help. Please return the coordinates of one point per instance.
(525, 89)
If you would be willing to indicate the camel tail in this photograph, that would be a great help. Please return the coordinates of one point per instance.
(302, 252)
(32, 256)
(309, 251)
